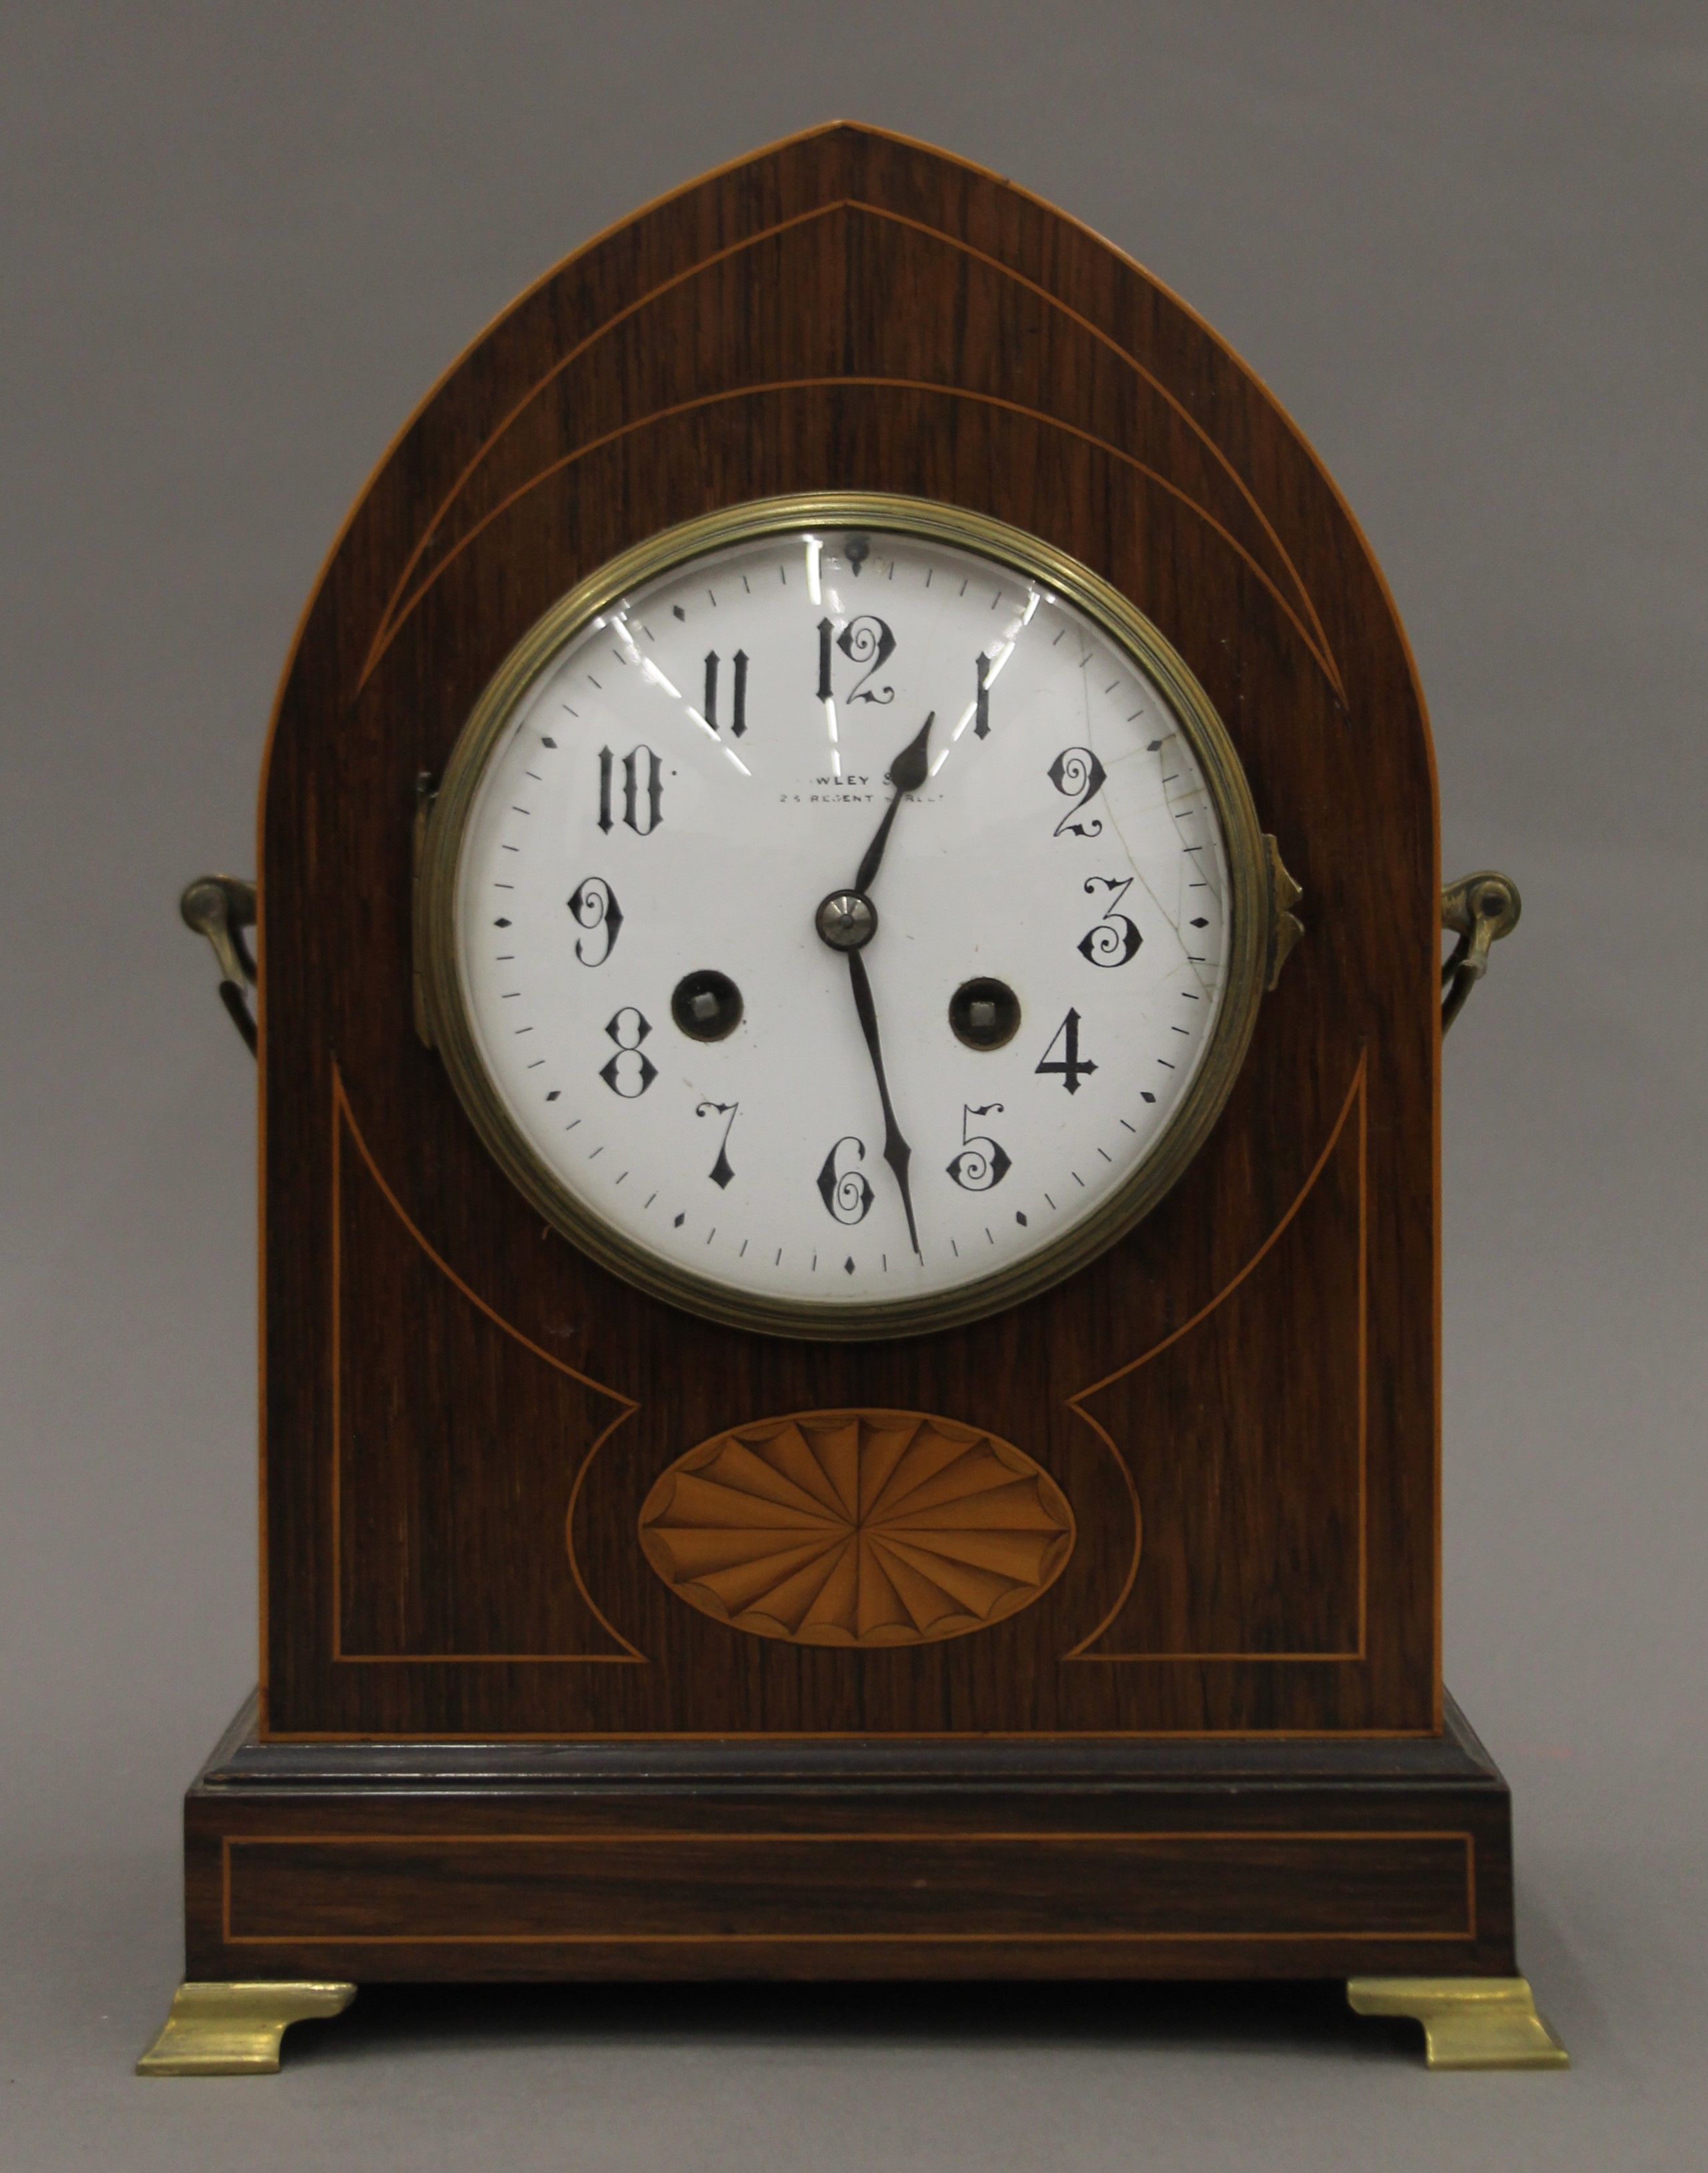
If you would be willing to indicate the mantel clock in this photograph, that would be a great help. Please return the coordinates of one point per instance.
(849, 1012)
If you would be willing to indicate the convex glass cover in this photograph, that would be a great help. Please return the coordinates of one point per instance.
(843, 916)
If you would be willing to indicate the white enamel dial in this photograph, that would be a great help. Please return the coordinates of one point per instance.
(675, 1056)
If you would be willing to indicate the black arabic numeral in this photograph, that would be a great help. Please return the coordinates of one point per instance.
(628, 1073)
(982, 701)
(737, 723)
(643, 778)
(655, 791)
(825, 630)
(847, 1193)
(981, 1164)
(867, 641)
(593, 904)
(1070, 1065)
(1115, 939)
(722, 1170)
(1077, 774)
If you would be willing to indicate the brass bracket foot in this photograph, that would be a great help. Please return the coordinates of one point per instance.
(1469, 2021)
(236, 2029)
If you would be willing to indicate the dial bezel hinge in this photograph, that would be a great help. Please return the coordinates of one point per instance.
(1285, 927)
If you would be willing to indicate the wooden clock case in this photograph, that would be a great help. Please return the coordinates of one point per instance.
(490, 1740)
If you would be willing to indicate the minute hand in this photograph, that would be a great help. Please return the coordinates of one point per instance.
(896, 1151)
(907, 773)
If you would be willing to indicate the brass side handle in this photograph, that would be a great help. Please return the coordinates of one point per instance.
(1479, 910)
(220, 908)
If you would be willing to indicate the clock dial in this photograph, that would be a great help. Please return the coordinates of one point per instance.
(843, 922)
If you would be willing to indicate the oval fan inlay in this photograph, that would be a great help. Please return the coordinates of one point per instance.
(868, 1528)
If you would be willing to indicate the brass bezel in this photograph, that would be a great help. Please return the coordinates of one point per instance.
(1249, 914)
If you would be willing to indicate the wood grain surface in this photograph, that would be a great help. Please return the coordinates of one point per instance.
(733, 1859)
(463, 1416)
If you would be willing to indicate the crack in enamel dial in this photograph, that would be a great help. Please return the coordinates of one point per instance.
(844, 919)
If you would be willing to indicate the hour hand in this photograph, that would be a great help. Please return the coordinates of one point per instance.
(907, 773)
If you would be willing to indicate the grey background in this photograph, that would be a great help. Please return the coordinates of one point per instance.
(1465, 245)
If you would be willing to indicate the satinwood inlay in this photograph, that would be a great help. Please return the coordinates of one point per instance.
(856, 1527)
